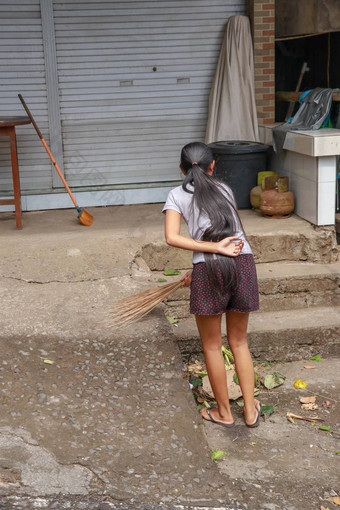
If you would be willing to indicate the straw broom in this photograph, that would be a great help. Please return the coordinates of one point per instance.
(135, 307)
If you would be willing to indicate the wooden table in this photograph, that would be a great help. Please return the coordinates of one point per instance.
(7, 128)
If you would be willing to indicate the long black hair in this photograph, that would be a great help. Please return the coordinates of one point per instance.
(210, 200)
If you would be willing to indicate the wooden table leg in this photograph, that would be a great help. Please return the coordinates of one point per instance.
(16, 181)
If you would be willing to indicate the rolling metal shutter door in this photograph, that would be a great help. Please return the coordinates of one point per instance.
(134, 80)
(22, 70)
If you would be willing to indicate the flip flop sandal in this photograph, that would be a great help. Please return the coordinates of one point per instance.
(226, 425)
(257, 422)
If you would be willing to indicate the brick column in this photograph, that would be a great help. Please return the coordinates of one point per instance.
(262, 14)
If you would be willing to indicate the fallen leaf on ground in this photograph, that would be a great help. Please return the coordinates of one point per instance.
(310, 407)
(325, 427)
(273, 380)
(200, 400)
(267, 409)
(300, 384)
(305, 418)
(336, 500)
(195, 381)
(309, 366)
(308, 400)
(235, 379)
(227, 355)
(172, 320)
(217, 455)
(171, 272)
(197, 367)
(326, 404)
(48, 362)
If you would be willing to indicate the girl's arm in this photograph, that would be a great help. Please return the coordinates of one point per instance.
(230, 246)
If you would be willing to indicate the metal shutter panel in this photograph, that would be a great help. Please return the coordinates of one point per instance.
(134, 81)
(22, 70)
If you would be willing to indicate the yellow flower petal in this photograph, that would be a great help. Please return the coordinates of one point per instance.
(299, 384)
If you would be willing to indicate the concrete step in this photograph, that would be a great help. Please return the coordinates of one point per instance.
(283, 286)
(277, 336)
(296, 285)
(290, 239)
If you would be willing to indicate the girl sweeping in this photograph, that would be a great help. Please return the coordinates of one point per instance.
(223, 279)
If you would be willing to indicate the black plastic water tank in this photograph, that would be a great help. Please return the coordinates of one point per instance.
(237, 164)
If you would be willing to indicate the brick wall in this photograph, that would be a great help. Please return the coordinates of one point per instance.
(262, 15)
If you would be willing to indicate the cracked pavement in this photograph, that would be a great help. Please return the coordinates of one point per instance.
(112, 415)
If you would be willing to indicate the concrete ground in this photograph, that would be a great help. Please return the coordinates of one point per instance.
(99, 417)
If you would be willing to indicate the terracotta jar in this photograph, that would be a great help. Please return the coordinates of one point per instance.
(274, 204)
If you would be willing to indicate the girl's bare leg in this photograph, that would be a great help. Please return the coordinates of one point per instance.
(237, 324)
(209, 327)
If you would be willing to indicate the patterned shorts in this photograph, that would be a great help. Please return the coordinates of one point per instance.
(204, 300)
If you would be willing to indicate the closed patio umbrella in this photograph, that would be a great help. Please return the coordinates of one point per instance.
(232, 109)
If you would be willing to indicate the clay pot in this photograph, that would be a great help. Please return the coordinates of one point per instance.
(255, 195)
(277, 205)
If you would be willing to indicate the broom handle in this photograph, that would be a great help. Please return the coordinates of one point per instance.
(48, 150)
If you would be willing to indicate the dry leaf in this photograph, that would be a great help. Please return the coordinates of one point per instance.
(309, 366)
(305, 418)
(196, 367)
(310, 407)
(308, 400)
(234, 390)
(336, 500)
(326, 404)
(273, 380)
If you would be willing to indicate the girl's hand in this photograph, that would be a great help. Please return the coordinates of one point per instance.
(186, 279)
(230, 246)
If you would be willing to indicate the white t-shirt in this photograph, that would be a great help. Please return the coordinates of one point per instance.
(182, 202)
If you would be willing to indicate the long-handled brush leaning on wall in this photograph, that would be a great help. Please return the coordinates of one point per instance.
(84, 217)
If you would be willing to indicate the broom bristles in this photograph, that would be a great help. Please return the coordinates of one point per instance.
(135, 307)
